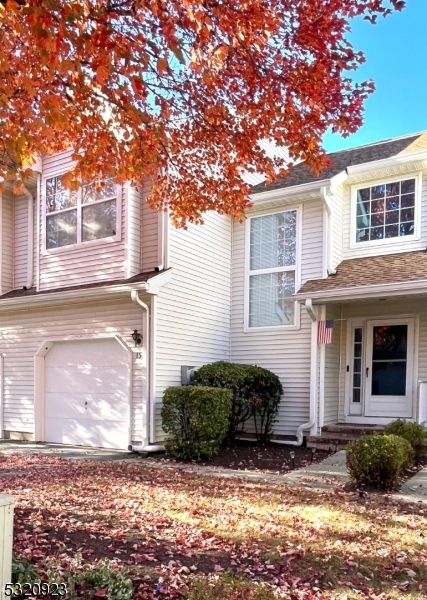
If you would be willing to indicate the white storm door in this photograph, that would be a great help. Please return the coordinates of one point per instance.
(389, 368)
(87, 389)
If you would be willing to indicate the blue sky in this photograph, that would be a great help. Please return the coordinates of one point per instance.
(396, 59)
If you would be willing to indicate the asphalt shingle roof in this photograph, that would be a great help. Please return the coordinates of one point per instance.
(300, 173)
(372, 270)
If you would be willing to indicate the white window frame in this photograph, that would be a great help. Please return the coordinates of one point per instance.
(297, 269)
(79, 207)
(393, 240)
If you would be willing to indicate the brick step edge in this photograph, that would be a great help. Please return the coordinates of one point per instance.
(331, 430)
(328, 446)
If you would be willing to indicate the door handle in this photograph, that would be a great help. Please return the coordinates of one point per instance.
(367, 371)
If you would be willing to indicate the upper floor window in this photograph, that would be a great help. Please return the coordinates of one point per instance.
(73, 217)
(386, 211)
(272, 269)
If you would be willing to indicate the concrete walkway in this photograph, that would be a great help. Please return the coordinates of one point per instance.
(74, 452)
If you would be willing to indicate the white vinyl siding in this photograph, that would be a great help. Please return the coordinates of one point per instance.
(193, 310)
(312, 241)
(133, 230)
(96, 261)
(20, 245)
(332, 367)
(336, 227)
(6, 242)
(399, 244)
(149, 233)
(23, 332)
(286, 352)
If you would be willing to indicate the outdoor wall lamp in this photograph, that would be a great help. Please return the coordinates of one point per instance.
(137, 337)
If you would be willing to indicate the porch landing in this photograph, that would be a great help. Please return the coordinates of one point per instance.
(336, 437)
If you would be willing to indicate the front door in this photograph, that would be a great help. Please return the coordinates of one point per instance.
(389, 368)
(382, 368)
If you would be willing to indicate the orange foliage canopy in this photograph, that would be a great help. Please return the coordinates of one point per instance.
(179, 91)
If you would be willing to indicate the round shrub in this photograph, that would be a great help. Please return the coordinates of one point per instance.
(197, 420)
(256, 394)
(378, 460)
(412, 432)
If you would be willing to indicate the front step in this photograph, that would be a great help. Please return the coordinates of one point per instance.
(336, 437)
(351, 428)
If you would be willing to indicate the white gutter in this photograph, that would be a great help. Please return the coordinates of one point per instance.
(367, 291)
(313, 385)
(59, 296)
(289, 191)
(30, 244)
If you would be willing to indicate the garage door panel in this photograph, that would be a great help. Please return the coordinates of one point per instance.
(78, 380)
(87, 389)
(96, 353)
(76, 431)
(110, 407)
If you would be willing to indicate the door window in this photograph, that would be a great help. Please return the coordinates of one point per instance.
(389, 360)
(357, 365)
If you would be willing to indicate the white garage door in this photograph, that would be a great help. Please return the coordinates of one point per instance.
(87, 394)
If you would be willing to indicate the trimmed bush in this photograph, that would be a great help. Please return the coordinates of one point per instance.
(412, 432)
(378, 460)
(256, 394)
(197, 420)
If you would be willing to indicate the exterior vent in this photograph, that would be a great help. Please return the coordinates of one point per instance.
(6, 537)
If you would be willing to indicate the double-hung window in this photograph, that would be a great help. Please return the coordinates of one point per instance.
(78, 216)
(386, 211)
(272, 271)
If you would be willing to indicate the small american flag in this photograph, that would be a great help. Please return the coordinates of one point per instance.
(324, 332)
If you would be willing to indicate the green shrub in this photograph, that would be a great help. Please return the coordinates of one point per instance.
(412, 432)
(90, 580)
(23, 571)
(197, 420)
(378, 460)
(256, 395)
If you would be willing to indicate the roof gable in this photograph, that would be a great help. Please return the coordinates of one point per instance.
(301, 174)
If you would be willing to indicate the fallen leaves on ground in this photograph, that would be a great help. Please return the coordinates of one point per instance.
(176, 531)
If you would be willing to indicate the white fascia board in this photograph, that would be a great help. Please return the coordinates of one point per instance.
(261, 197)
(362, 292)
(387, 162)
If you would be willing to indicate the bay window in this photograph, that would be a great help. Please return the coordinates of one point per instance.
(272, 270)
(77, 216)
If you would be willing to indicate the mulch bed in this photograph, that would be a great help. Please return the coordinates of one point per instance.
(268, 458)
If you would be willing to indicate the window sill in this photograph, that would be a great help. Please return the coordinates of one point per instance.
(82, 245)
(406, 239)
(271, 329)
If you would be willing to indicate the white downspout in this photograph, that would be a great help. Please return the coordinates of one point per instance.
(30, 247)
(148, 334)
(313, 382)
